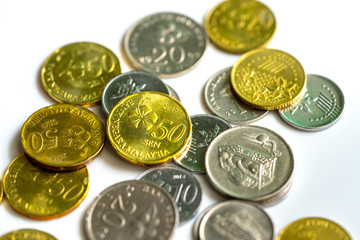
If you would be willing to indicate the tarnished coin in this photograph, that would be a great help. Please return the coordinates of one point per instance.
(268, 79)
(182, 186)
(63, 136)
(129, 83)
(221, 101)
(42, 194)
(239, 26)
(205, 128)
(236, 220)
(78, 72)
(166, 44)
(173, 93)
(131, 210)
(27, 234)
(149, 128)
(320, 108)
(313, 228)
(250, 163)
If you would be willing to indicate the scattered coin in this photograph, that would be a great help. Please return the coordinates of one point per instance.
(173, 93)
(27, 234)
(196, 225)
(78, 72)
(132, 210)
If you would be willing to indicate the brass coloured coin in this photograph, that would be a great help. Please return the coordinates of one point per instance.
(27, 234)
(1, 191)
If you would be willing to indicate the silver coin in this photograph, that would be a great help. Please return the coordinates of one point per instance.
(221, 101)
(131, 210)
(173, 93)
(236, 219)
(249, 162)
(166, 44)
(181, 185)
(129, 83)
(196, 225)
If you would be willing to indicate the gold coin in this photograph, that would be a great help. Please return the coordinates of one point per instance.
(27, 234)
(63, 136)
(1, 191)
(313, 228)
(149, 128)
(268, 79)
(239, 26)
(43, 194)
(78, 72)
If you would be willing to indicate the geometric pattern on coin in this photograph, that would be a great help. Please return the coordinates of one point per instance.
(129, 83)
(166, 44)
(131, 210)
(250, 163)
(236, 219)
(42, 194)
(27, 234)
(205, 128)
(78, 72)
(221, 101)
(320, 108)
(182, 186)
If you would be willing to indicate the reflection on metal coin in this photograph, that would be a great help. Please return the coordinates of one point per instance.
(27, 234)
(173, 93)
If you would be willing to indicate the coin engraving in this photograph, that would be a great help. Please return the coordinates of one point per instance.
(127, 88)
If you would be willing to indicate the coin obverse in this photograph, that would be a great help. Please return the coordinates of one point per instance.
(131, 210)
(27, 234)
(166, 44)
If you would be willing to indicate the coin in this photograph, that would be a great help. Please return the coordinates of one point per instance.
(131, 210)
(63, 136)
(166, 44)
(313, 228)
(173, 93)
(320, 108)
(149, 128)
(196, 225)
(1, 191)
(182, 186)
(129, 83)
(235, 219)
(205, 128)
(43, 194)
(221, 101)
(239, 26)
(250, 163)
(268, 79)
(78, 72)
(27, 234)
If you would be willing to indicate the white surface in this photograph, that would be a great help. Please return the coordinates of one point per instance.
(322, 35)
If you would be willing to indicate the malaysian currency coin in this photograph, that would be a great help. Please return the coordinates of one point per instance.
(268, 79)
(250, 163)
(182, 186)
(236, 219)
(131, 210)
(320, 108)
(149, 128)
(129, 83)
(205, 128)
(63, 136)
(173, 93)
(196, 225)
(78, 72)
(1, 191)
(221, 101)
(27, 234)
(42, 194)
(313, 228)
(239, 26)
(166, 44)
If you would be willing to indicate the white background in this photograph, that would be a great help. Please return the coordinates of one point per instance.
(323, 35)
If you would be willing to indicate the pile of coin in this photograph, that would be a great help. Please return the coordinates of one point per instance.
(147, 125)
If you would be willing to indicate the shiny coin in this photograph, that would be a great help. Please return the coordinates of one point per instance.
(268, 79)
(78, 72)
(42, 194)
(131, 210)
(129, 83)
(250, 163)
(221, 101)
(63, 136)
(173, 93)
(149, 128)
(166, 44)
(182, 186)
(196, 225)
(1, 191)
(205, 128)
(321, 106)
(236, 220)
(239, 26)
(313, 228)
(27, 234)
